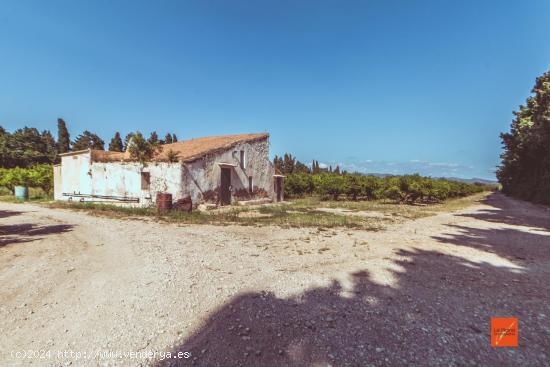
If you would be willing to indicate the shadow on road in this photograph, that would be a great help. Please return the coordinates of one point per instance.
(20, 233)
(437, 312)
(514, 212)
(9, 213)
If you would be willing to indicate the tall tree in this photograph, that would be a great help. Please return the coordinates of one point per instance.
(288, 163)
(141, 149)
(116, 143)
(168, 139)
(88, 140)
(174, 138)
(50, 146)
(127, 139)
(26, 147)
(153, 138)
(63, 138)
(525, 168)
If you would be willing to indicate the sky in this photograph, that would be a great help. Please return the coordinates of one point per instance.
(389, 86)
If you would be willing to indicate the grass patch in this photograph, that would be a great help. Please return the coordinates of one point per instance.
(396, 210)
(281, 215)
(296, 213)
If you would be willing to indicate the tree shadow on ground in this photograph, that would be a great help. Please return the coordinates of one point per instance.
(9, 213)
(510, 211)
(437, 312)
(27, 232)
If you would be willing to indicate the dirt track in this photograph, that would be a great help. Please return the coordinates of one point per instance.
(416, 293)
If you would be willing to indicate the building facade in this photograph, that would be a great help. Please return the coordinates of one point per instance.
(219, 170)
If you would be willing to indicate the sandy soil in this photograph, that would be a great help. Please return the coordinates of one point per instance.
(418, 293)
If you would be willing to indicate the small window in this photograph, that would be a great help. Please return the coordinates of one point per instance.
(250, 184)
(145, 180)
(243, 163)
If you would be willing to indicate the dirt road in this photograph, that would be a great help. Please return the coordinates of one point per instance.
(84, 290)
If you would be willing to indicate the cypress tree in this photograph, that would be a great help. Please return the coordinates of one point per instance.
(63, 138)
(153, 138)
(116, 143)
(168, 139)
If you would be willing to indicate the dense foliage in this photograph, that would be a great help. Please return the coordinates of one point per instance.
(26, 147)
(404, 189)
(39, 176)
(140, 148)
(88, 140)
(525, 167)
(116, 143)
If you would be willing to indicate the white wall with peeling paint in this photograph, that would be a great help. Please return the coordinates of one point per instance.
(199, 179)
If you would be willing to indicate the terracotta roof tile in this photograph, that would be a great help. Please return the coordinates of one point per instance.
(186, 150)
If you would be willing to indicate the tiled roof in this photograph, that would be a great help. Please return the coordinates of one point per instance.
(186, 150)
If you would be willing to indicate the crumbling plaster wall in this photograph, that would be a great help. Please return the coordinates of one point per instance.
(201, 178)
(74, 174)
(124, 179)
(79, 175)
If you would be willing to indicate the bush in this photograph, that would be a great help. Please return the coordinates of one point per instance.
(329, 185)
(39, 176)
(298, 185)
(408, 188)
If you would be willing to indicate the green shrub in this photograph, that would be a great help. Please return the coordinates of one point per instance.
(38, 176)
(298, 185)
(408, 188)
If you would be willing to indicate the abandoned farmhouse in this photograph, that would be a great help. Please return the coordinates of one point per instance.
(217, 169)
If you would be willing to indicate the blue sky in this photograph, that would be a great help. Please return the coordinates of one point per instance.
(377, 86)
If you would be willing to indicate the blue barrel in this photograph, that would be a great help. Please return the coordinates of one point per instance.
(21, 192)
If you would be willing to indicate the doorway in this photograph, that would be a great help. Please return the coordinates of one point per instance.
(279, 188)
(225, 186)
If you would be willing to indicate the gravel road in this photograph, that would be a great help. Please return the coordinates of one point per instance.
(85, 290)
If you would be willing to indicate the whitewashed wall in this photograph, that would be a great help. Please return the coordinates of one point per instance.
(200, 179)
(57, 182)
(75, 173)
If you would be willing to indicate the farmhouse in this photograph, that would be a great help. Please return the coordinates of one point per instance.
(216, 169)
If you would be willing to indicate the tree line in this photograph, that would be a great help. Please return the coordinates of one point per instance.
(28, 146)
(302, 180)
(525, 168)
(288, 164)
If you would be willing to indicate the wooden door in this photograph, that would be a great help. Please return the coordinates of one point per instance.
(225, 189)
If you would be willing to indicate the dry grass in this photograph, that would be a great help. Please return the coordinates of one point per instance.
(297, 213)
(398, 211)
(281, 215)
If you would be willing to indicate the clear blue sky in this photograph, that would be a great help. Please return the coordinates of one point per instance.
(379, 86)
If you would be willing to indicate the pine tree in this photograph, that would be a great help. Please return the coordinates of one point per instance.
(174, 138)
(50, 146)
(63, 138)
(168, 139)
(88, 140)
(153, 138)
(116, 143)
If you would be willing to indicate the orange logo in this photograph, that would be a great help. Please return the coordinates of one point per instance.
(504, 332)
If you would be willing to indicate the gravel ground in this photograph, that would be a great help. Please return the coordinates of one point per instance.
(416, 293)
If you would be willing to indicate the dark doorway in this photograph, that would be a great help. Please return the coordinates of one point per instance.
(225, 187)
(279, 188)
